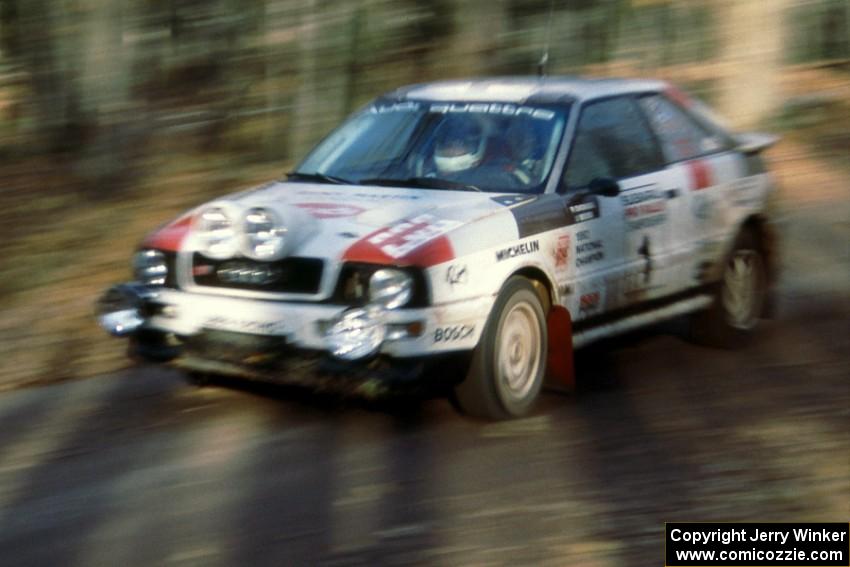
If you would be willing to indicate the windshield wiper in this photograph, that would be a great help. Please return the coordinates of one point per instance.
(321, 177)
(420, 182)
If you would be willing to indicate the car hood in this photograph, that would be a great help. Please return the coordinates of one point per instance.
(362, 223)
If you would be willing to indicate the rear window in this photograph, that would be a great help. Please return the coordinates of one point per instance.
(681, 136)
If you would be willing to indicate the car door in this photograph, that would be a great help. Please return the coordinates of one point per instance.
(613, 141)
(703, 166)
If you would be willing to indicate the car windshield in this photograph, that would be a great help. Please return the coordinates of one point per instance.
(480, 146)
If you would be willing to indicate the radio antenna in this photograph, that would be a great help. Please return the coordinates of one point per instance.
(544, 58)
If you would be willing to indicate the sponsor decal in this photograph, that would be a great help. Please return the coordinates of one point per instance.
(224, 323)
(518, 250)
(589, 302)
(493, 108)
(457, 275)
(646, 253)
(453, 333)
(562, 251)
(407, 106)
(330, 210)
(420, 240)
(644, 209)
(588, 251)
(405, 236)
(584, 211)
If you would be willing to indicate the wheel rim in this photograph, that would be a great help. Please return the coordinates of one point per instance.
(741, 285)
(519, 351)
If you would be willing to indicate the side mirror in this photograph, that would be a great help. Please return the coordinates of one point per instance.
(604, 186)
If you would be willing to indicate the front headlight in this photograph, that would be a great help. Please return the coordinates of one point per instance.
(390, 288)
(265, 235)
(150, 267)
(215, 227)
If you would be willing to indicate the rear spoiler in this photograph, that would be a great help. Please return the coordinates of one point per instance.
(754, 142)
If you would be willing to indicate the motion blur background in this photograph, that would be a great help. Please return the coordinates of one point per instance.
(117, 115)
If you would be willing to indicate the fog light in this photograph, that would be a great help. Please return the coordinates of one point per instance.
(357, 333)
(119, 309)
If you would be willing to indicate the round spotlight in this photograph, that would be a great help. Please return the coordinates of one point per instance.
(217, 231)
(357, 333)
(265, 235)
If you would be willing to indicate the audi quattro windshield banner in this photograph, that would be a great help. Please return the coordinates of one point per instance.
(757, 544)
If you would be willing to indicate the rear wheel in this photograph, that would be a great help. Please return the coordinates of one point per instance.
(508, 365)
(739, 300)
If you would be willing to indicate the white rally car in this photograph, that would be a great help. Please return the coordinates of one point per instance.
(485, 228)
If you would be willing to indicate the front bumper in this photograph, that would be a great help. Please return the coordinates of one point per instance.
(268, 339)
(303, 325)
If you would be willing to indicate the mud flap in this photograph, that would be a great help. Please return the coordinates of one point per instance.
(560, 371)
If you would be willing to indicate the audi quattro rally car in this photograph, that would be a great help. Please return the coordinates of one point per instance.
(506, 220)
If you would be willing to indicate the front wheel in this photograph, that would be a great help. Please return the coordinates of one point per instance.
(739, 300)
(509, 363)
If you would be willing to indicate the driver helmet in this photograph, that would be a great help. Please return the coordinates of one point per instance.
(460, 142)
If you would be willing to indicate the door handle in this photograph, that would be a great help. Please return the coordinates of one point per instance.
(672, 193)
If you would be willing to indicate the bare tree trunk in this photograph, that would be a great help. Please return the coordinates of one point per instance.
(306, 104)
(54, 99)
(104, 77)
(478, 27)
(274, 144)
(752, 36)
(353, 67)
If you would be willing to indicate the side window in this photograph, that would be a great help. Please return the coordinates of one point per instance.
(681, 136)
(612, 140)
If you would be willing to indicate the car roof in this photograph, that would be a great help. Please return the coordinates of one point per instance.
(519, 90)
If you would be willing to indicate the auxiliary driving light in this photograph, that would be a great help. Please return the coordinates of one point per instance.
(118, 310)
(357, 333)
(215, 227)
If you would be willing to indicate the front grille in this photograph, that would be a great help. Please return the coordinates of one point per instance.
(290, 275)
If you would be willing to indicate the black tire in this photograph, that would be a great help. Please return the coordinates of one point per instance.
(734, 315)
(501, 386)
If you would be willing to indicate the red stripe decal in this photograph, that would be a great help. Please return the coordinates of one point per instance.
(420, 241)
(365, 251)
(171, 237)
(700, 174)
(431, 253)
